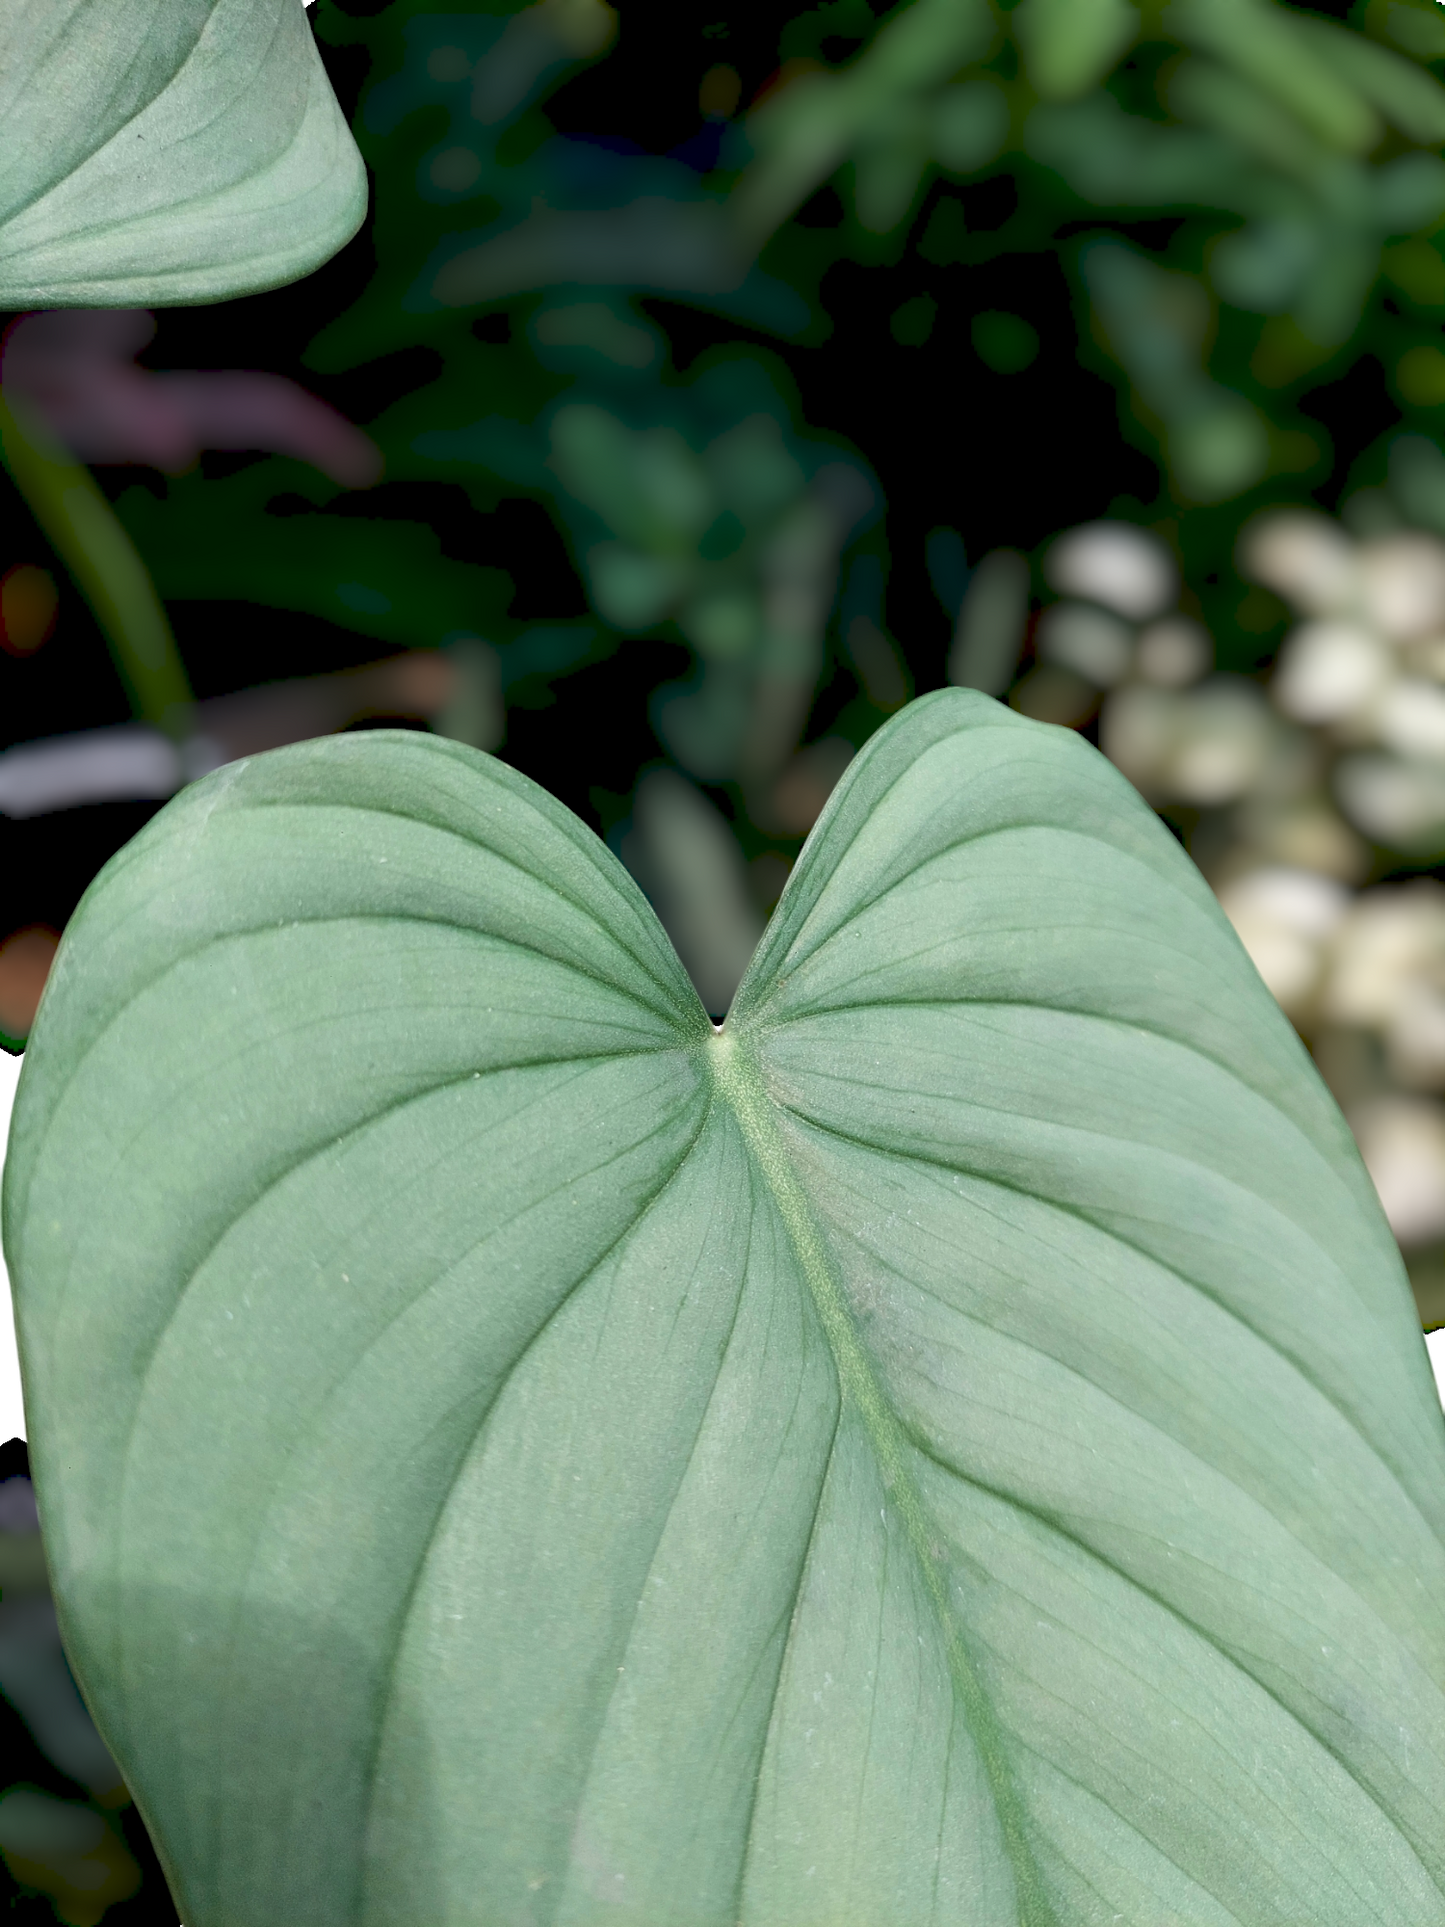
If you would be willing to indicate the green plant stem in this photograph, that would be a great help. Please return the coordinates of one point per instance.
(81, 526)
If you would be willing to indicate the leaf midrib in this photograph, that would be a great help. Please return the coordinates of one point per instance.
(738, 1081)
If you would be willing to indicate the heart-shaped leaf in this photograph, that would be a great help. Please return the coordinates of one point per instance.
(166, 152)
(954, 1445)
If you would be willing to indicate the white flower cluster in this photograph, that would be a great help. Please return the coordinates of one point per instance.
(1366, 666)
(1297, 789)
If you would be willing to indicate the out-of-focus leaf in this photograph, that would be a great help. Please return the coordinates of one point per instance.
(1261, 268)
(970, 125)
(1069, 45)
(1116, 159)
(648, 486)
(631, 590)
(1218, 452)
(163, 152)
(923, 42)
(703, 720)
(687, 859)
(1335, 291)
(956, 1443)
(752, 469)
(1414, 25)
(988, 634)
(948, 570)
(534, 42)
(723, 626)
(1409, 97)
(387, 579)
(886, 179)
(802, 134)
(1409, 192)
(1417, 480)
(1266, 44)
(1235, 107)
(651, 243)
(1155, 321)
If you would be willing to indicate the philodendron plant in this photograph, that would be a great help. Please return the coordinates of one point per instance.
(951, 1444)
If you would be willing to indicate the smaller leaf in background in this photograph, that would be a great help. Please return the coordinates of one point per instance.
(29, 604)
(1154, 322)
(656, 242)
(1409, 97)
(1115, 159)
(970, 123)
(385, 578)
(884, 109)
(799, 576)
(533, 43)
(1417, 270)
(1417, 477)
(946, 559)
(1262, 267)
(648, 486)
(1409, 192)
(475, 711)
(190, 155)
(686, 857)
(881, 669)
(1414, 25)
(76, 369)
(1271, 47)
(1070, 45)
(574, 335)
(1420, 377)
(888, 167)
(988, 636)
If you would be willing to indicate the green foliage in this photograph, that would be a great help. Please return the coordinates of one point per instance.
(1295, 159)
(177, 153)
(955, 1441)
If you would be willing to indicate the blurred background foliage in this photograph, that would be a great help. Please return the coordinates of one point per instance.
(703, 384)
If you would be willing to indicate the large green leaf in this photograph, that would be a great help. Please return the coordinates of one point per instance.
(166, 152)
(954, 1445)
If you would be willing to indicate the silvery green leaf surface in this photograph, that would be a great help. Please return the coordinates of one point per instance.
(954, 1444)
(167, 152)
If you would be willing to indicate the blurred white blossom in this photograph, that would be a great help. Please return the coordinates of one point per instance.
(1290, 779)
(1284, 919)
(1124, 568)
